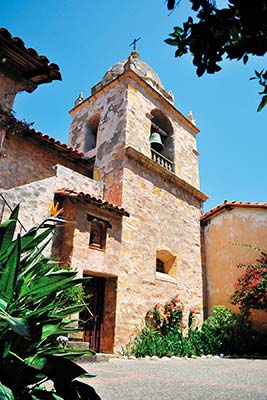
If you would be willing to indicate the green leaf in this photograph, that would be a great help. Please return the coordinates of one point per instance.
(49, 329)
(44, 395)
(55, 365)
(18, 325)
(70, 310)
(9, 275)
(5, 393)
(262, 103)
(7, 230)
(47, 284)
(245, 59)
(15, 213)
(84, 391)
(172, 42)
(36, 362)
(3, 304)
(30, 243)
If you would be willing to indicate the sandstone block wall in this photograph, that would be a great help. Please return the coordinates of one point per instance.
(139, 103)
(162, 217)
(111, 105)
(8, 91)
(35, 197)
(28, 161)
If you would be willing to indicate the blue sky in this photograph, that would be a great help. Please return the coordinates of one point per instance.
(86, 37)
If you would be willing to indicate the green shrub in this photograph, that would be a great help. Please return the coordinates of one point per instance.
(148, 343)
(223, 332)
(33, 308)
(231, 330)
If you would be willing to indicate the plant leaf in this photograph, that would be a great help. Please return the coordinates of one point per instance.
(18, 325)
(7, 230)
(10, 273)
(5, 393)
(262, 103)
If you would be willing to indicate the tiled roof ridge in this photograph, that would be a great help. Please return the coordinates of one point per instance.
(19, 43)
(92, 199)
(231, 204)
(21, 128)
(56, 142)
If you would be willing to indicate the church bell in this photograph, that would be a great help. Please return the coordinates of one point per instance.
(156, 142)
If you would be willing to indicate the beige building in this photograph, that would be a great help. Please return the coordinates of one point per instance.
(224, 229)
(129, 185)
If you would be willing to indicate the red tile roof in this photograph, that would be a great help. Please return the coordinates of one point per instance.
(229, 205)
(55, 143)
(26, 62)
(16, 127)
(92, 200)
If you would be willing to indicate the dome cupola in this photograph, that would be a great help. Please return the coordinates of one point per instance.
(142, 69)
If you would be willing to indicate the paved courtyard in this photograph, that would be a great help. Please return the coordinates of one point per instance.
(184, 379)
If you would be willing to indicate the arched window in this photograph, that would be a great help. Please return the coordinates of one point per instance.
(166, 263)
(91, 133)
(159, 265)
(161, 139)
(98, 232)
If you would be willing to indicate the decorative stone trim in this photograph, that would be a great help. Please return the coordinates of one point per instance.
(131, 74)
(165, 277)
(170, 176)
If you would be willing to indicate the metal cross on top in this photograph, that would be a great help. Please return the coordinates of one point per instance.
(134, 43)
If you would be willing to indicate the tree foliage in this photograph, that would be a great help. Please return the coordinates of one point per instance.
(236, 32)
(33, 309)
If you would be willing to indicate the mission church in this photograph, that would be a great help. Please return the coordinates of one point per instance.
(128, 182)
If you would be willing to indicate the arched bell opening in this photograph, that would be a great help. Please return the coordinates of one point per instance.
(161, 139)
(91, 133)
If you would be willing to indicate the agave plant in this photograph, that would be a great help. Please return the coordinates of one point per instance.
(34, 309)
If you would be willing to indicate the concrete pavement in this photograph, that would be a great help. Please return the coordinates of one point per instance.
(184, 379)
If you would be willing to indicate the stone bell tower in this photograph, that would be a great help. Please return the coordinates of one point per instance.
(144, 151)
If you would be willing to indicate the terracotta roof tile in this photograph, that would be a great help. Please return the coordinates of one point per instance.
(20, 128)
(27, 61)
(92, 200)
(228, 205)
(32, 133)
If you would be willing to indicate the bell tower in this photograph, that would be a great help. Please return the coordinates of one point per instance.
(129, 108)
(144, 152)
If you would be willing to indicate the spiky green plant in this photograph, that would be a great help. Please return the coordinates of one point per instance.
(33, 308)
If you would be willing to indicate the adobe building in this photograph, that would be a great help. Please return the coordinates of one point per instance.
(224, 229)
(129, 185)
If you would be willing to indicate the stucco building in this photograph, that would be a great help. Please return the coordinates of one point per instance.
(128, 182)
(224, 229)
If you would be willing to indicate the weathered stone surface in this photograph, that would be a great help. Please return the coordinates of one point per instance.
(163, 216)
(8, 91)
(35, 197)
(28, 161)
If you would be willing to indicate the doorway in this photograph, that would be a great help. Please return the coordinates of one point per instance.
(94, 312)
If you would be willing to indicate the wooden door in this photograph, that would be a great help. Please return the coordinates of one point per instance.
(93, 314)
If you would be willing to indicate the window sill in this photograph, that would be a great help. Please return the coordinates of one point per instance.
(92, 247)
(165, 277)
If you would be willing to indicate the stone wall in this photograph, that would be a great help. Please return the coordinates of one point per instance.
(35, 197)
(111, 105)
(163, 217)
(27, 160)
(8, 91)
(223, 235)
(139, 104)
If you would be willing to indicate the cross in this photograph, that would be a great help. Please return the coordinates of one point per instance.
(134, 43)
